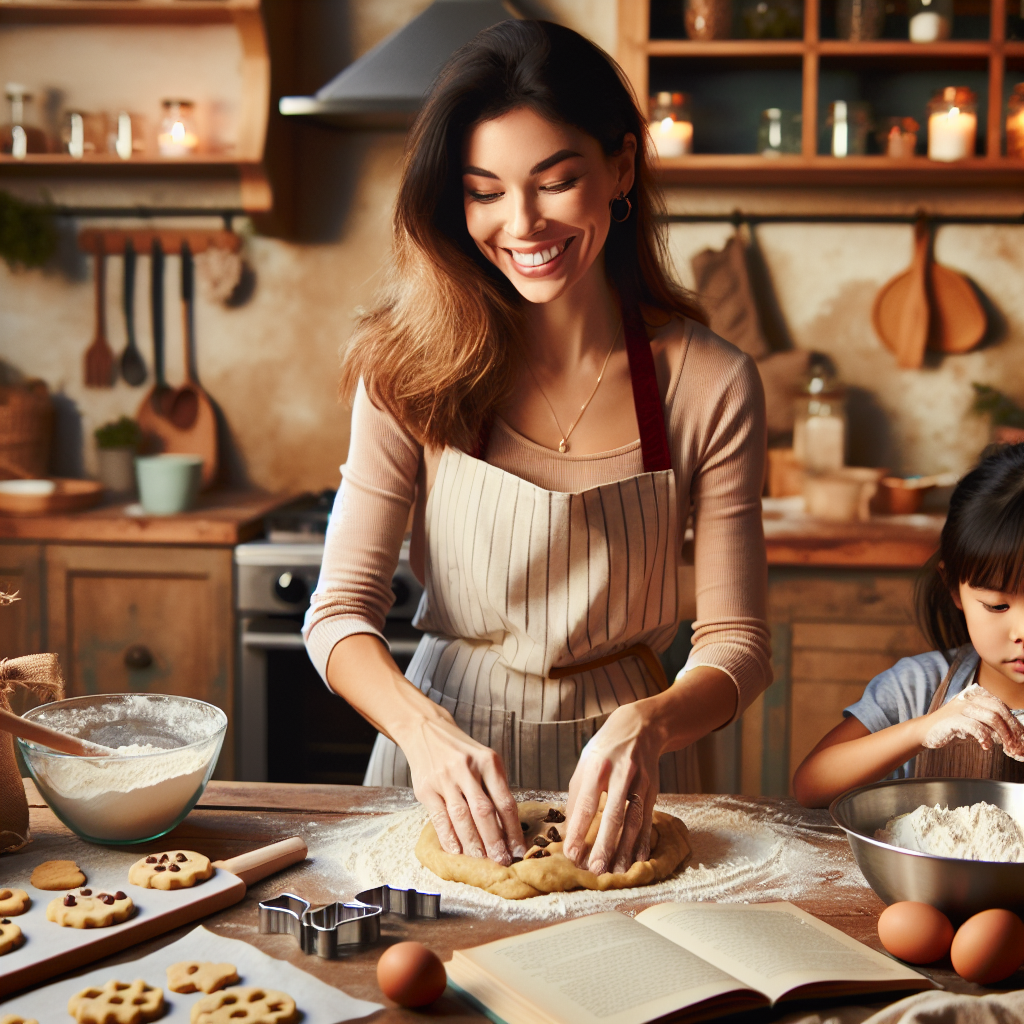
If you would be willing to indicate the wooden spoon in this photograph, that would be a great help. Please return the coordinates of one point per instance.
(52, 738)
(99, 356)
(901, 314)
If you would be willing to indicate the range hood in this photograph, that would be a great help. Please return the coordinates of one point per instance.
(385, 87)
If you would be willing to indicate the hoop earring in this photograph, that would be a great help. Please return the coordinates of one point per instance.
(621, 198)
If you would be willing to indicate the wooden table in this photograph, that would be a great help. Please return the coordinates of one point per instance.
(234, 817)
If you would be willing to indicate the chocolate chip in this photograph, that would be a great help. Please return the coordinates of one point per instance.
(536, 854)
(160, 867)
(174, 867)
(107, 899)
(553, 835)
(181, 858)
(120, 895)
(540, 841)
(85, 892)
(526, 828)
(6, 920)
(70, 901)
(554, 815)
(163, 858)
(151, 860)
(516, 860)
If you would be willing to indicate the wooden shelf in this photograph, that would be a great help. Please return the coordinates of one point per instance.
(826, 47)
(154, 12)
(726, 48)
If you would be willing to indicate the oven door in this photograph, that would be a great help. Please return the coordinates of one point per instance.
(292, 727)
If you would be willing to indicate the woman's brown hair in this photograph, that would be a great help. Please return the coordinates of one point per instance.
(440, 351)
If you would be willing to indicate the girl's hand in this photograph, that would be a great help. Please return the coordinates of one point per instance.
(622, 760)
(463, 785)
(974, 714)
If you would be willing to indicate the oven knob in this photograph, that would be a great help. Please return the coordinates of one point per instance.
(401, 591)
(290, 589)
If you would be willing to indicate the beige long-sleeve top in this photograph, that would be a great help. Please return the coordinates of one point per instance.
(714, 412)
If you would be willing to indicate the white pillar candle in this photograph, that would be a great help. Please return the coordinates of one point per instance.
(672, 138)
(951, 134)
(929, 27)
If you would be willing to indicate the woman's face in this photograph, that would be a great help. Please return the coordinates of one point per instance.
(537, 196)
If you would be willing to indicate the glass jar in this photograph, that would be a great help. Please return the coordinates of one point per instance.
(848, 126)
(1015, 122)
(671, 125)
(708, 19)
(773, 19)
(930, 20)
(177, 136)
(897, 137)
(18, 137)
(952, 124)
(83, 134)
(819, 430)
(859, 20)
(779, 132)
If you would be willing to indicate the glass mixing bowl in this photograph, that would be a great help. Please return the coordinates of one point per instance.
(167, 750)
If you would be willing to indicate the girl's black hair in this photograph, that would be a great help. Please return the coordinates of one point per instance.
(982, 544)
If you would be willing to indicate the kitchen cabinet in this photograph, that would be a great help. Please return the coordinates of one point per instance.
(833, 630)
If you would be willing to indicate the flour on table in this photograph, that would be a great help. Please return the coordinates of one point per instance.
(981, 831)
(734, 853)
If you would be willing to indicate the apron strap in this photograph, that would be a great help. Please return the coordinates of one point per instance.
(641, 651)
(650, 414)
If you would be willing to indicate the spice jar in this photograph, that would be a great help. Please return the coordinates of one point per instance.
(671, 125)
(859, 20)
(848, 126)
(708, 19)
(177, 130)
(930, 20)
(779, 132)
(1015, 122)
(952, 124)
(18, 137)
(819, 431)
(897, 137)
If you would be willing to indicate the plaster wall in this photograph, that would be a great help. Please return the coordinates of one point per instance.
(271, 365)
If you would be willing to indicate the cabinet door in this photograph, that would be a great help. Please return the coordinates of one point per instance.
(145, 619)
(21, 622)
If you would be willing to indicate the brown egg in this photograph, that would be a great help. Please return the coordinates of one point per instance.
(410, 974)
(988, 947)
(916, 932)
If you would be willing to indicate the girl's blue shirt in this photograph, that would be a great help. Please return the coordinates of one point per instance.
(905, 691)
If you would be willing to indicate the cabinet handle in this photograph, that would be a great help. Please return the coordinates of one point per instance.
(138, 656)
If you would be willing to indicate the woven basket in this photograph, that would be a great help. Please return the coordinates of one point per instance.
(26, 429)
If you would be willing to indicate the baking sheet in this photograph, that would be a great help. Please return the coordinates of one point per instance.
(319, 1002)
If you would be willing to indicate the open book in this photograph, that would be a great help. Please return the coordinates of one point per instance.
(675, 961)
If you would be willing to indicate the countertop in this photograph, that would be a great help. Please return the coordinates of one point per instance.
(222, 518)
(235, 817)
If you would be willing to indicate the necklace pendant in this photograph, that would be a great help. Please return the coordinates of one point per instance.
(562, 446)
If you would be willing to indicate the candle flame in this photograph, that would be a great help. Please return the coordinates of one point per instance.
(953, 112)
(178, 132)
(666, 123)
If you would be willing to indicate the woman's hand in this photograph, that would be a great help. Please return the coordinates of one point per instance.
(974, 714)
(622, 760)
(463, 785)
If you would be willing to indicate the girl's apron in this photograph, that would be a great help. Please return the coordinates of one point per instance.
(543, 609)
(964, 759)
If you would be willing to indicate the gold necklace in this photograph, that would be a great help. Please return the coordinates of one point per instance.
(563, 445)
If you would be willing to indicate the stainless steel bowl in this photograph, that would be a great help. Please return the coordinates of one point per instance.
(959, 888)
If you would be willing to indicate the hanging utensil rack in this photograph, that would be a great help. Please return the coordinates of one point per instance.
(170, 239)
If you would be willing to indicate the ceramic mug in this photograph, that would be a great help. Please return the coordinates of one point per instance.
(168, 483)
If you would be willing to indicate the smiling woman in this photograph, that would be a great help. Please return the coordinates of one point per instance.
(546, 401)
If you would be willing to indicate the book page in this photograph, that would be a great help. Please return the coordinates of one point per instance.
(775, 947)
(602, 969)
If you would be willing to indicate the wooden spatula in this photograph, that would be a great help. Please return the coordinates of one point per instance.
(99, 356)
(902, 312)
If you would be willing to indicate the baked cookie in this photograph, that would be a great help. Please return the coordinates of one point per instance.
(200, 976)
(10, 936)
(175, 869)
(13, 1018)
(54, 875)
(84, 908)
(117, 1002)
(13, 902)
(545, 868)
(245, 1005)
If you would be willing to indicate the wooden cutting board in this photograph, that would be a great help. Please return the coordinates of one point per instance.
(50, 950)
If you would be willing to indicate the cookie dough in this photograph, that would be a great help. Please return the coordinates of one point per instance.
(10, 936)
(85, 908)
(200, 976)
(13, 1018)
(174, 869)
(54, 875)
(245, 1005)
(545, 868)
(13, 902)
(117, 1002)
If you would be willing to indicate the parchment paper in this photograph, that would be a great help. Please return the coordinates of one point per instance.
(320, 1003)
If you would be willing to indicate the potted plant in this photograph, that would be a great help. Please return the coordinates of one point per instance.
(117, 444)
(1006, 417)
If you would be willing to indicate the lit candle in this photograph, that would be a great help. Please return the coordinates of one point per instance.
(177, 136)
(951, 134)
(672, 138)
(1015, 134)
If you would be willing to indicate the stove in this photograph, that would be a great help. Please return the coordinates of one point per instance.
(291, 727)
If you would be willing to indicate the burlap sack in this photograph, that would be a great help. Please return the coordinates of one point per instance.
(41, 673)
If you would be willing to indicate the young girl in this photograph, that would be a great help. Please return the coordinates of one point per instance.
(950, 709)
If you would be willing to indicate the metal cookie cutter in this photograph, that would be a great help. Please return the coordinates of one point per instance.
(341, 927)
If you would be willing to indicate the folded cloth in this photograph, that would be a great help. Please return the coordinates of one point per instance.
(924, 1008)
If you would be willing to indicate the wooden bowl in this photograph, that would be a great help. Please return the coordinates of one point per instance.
(67, 496)
(895, 498)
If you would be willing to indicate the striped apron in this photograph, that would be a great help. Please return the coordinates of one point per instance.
(542, 609)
